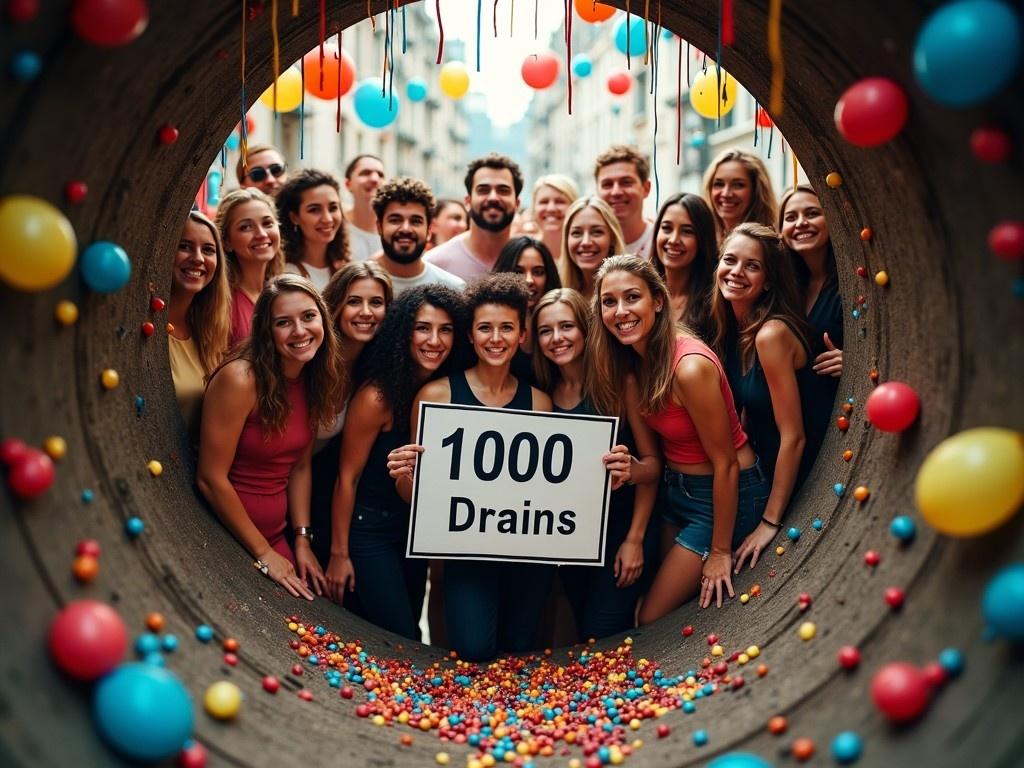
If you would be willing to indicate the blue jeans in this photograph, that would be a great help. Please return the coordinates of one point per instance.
(390, 586)
(493, 607)
(690, 507)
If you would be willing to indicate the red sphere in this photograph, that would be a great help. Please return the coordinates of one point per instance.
(540, 71)
(89, 547)
(687, 630)
(871, 112)
(156, 304)
(32, 476)
(88, 639)
(109, 23)
(712, 638)
(148, 328)
(894, 597)
(764, 120)
(192, 756)
(990, 144)
(167, 134)
(271, 684)
(20, 11)
(935, 674)
(619, 82)
(871, 557)
(296, 669)
(849, 657)
(346, 692)
(900, 691)
(663, 731)
(862, 271)
(1006, 240)
(12, 450)
(75, 191)
(892, 407)
(305, 695)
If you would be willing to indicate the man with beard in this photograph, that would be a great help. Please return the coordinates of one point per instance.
(623, 181)
(493, 185)
(363, 177)
(403, 207)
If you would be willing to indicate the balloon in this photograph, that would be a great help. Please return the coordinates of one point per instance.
(706, 94)
(289, 91)
(1006, 240)
(892, 407)
(871, 111)
(109, 23)
(1002, 604)
(143, 711)
(698, 139)
(900, 691)
(339, 73)
(582, 65)
(972, 482)
(87, 639)
(31, 475)
(37, 243)
(616, 109)
(105, 266)
(416, 89)
(25, 66)
(593, 12)
(619, 82)
(764, 120)
(454, 80)
(637, 39)
(739, 760)
(233, 142)
(373, 108)
(540, 70)
(967, 51)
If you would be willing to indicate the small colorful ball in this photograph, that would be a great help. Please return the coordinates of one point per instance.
(89, 547)
(847, 455)
(1002, 603)
(817, 524)
(85, 568)
(839, 489)
(192, 755)
(231, 645)
(105, 266)
(900, 691)
(663, 730)
(147, 643)
(32, 475)
(843, 423)
(881, 278)
(807, 631)
(849, 657)
(862, 271)
(167, 134)
(700, 738)
(894, 597)
(169, 643)
(892, 407)
(903, 528)
(204, 633)
(739, 760)
(802, 749)
(847, 747)
(934, 675)
(147, 329)
(75, 191)
(866, 234)
(1006, 240)
(110, 378)
(222, 700)
(271, 684)
(991, 145)
(872, 558)
(687, 630)
(155, 468)
(25, 66)
(56, 447)
(155, 621)
(442, 758)
(21, 11)
(134, 527)
(834, 179)
(952, 661)
(793, 534)
(777, 725)
(66, 312)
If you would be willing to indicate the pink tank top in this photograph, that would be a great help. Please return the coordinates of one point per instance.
(242, 308)
(263, 466)
(679, 439)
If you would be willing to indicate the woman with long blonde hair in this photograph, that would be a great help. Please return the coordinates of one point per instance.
(590, 235)
(552, 196)
(738, 188)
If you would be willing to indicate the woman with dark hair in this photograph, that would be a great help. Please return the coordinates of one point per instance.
(370, 521)
(737, 188)
(685, 256)
(449, 219)
(761, 335)
(312, 226)
(263, 407)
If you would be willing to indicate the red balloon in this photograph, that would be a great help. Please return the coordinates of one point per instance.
(12, 450)
(871, 112)
(88, 639)
(109, 23)
(900, 691)
(339, 73)
(619, 82)
(1006, 240)
(990, 144)
(892, 407)
(594, 12)
(541, 70)
(32, 475)
(764, 120)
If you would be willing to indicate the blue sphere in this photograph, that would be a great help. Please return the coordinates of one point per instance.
(204, 633)
(637, 39)
(817, 524)
(739, 760)
(689, 707)
(169, 643)
(952, 661)
(700, 738)
(847, 747)
(143, 711)
(26, 66)
(666, 34)
(105, 266)
(375, 109)
(1002, 605)
(134, 526)
(698, 139)
(416, 89)
(968, 51)
(839, 489)
(233, 142)
(582, 65)
(793, 534)
(147, 643)
(903, 528)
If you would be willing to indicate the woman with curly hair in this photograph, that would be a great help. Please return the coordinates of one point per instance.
(370, 521)
(591, 234)
(685, 257)
(199, 314)
(252, 242)
(313, 227)
(738, 188)
(263, 407)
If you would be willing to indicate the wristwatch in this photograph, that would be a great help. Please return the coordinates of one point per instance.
(304, 530)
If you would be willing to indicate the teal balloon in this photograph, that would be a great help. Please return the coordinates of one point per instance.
(697, 140)
(582, 66)
(968, 51)
(616, 108)
(1002, 604)
(233, 142)
(666, 34)
(105, 266)
(374, 109)
(416, 89)
(739, 760)
(637, 41)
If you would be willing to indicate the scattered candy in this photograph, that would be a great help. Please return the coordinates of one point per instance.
(271, 684)
(952, 661)
(777, 725)
(169, 643)
(843, 423)
(739, 760)
(204, 633)
(147, 643)
(306, 695)
(89, 547)
(861, 493)
(75, 191)
(110, 378)
(25, 66)
(700, 738)
(147, 329)
(105, 266)
(167, 134)
(222, 700)
(882, 278)
(900, 691)
(85, 568)
(31, 475)
(56, 447)
(839, 489)
(834, 179)
(803, 601)
(231, 645)
(687, 631)
(87, 496)
(802, 749)
(872, 558)
(192, 755)
(991, 145)
(663, 731)
(1006, 240)
(793, 534)
(847, 747)
(231, 659)
(894, 598)
(892, 407)
(155, 468)
(87, 639)
(66, 312)
(156, 304)
(154, 621)
(866, 234)
(442, 758)
(849, 657)
(807, 630)
(1002, 603)
(12, 451)
(817, 524)
(134, 527)
(780, 550)
(862, 271)
(903, 528)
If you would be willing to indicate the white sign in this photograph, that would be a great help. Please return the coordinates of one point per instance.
(500, 484)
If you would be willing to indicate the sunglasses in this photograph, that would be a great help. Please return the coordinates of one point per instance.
(259, 174)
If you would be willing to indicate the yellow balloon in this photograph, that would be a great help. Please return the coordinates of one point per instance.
(37, 243)
(972, 482)
(454, 80)
(289, 91)
(706, 94)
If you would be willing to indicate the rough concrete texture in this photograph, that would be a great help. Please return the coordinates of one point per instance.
(947, 324)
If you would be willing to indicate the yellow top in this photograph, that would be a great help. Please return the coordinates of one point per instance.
(187, 373)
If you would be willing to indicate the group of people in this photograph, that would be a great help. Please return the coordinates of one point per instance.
(304, 336)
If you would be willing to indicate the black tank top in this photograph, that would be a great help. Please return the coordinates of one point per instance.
(462, 393)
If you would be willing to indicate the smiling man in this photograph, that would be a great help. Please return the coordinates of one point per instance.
(403, 208)
(623, 181)
(363, 176)
(493, 185)
(262, 167)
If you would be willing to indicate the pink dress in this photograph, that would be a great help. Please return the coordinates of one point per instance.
(242, 308)
(262, 468)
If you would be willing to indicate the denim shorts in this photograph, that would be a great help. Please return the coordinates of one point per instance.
(689, 506)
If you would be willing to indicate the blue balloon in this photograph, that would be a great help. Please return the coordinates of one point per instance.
(968, 51)
(375, 110)
(416, 89)
(26, 66)
(233, 141)
(143, 711)
(616, 108)
(1002, 605)
(847, 747)
(739, 760)
(637, 40)
(666, 34)
(697, 140)
(105, 266)
(582, 66)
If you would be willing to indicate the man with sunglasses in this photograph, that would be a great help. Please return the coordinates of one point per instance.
(264, 169)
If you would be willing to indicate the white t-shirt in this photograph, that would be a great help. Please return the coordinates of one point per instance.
(455, 258)
(362, 244)
(318, 276)
(641, 245)
(431, 274)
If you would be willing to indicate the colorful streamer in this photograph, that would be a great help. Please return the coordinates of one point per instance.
(277, 48)
(728, 29)
(479, 20)
(568, 51)
(440, 33)
(775, 54)
(244, 126)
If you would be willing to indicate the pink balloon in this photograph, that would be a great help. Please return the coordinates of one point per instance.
(893, 406)
(619, 82)
(88, 639)
(900, 691)
(871, 112)
(540, 71)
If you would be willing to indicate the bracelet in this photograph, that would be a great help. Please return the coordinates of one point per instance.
(304, 530)
(769, 523)
(262, 567)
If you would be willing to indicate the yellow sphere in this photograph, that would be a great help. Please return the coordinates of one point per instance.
(454, 80)
(66, 312)
(807, 630)
(110, 378)
(834, 179)
(706, 94)
(882, 278)
(56, 447)
(972, 482)
(289, 92)
(222, 700)
(37, 244)
(155, 468)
